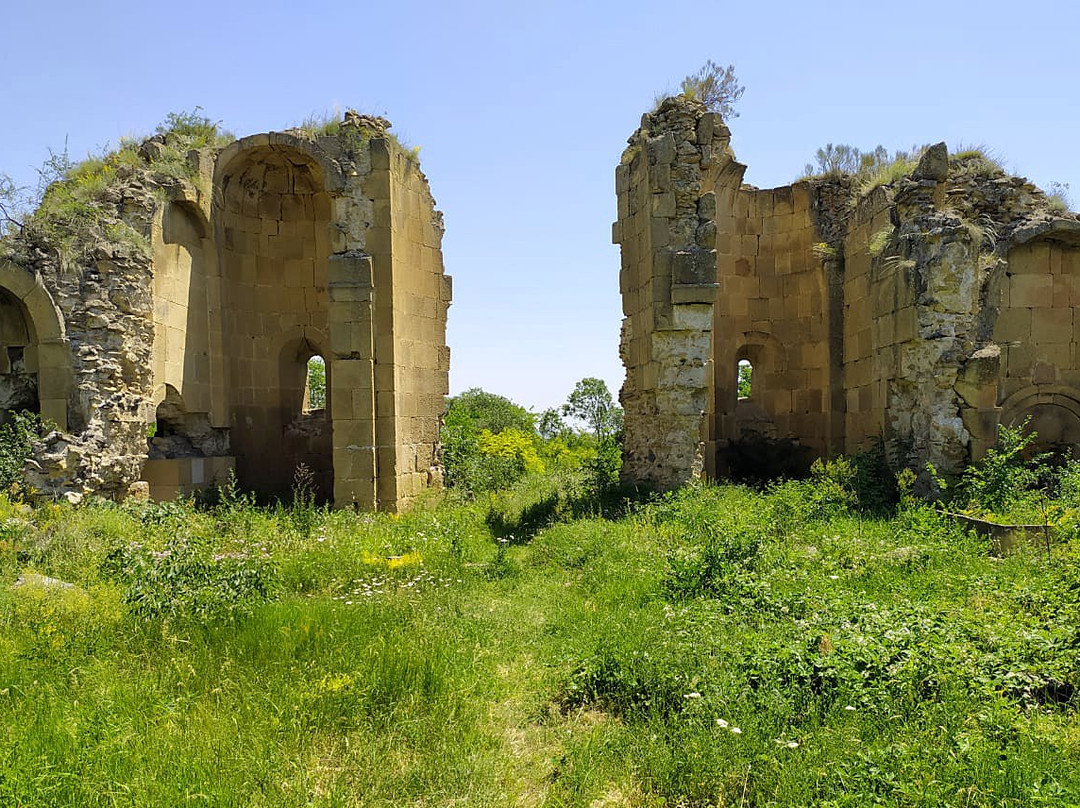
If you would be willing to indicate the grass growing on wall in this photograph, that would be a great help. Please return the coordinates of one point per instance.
(716, 646)
(77, 204)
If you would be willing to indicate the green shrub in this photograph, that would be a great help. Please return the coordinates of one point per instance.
(17, 438)
(188, 578)
(1003, 475)
(468, 416)
(876, 487)
(708, 565)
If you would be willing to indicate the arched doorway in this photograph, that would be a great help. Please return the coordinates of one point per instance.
(1051, 413)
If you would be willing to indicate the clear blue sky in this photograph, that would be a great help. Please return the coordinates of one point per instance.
(523, 110)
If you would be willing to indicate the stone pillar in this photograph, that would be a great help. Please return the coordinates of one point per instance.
(977, 386)
(54, 380)
(667, 232)
(351, 376)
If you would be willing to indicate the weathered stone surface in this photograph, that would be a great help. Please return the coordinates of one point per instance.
(925, 312)
(190, 306)
(934, 164)
(32, 579)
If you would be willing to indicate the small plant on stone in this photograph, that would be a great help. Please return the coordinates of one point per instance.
(716, 87)
(1058, 197)
(304, 512)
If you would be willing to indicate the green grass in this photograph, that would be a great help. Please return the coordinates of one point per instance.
(75, 210)
(600, 661)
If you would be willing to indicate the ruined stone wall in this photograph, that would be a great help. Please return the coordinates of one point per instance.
(879, 316)
(1038, 331)
(101, 351)
(188, 340)
(923, 313)
(421, 297)
(773, 310)
(667, 233)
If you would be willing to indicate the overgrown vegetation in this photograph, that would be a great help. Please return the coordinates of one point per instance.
(1015, 484)
(716, 87)
(713, 646)
(71, 207)
(1058, 197)
(869, 169)
(489, 442)
(17, 437)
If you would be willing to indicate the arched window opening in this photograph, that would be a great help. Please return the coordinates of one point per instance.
(744, 378)
(315, 385)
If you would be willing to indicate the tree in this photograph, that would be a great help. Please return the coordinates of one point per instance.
(550, 425)
(316, 383)
(746, 374)
(716, 87)
(591, 402)
(488, 411)
(474, 456)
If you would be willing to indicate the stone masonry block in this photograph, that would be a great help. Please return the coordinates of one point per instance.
(1051, 325)
(1030, 259)
(1031, 290)
(695, 317)
(1066, 290)
(694, 267)
(663, 205)
(683, 294)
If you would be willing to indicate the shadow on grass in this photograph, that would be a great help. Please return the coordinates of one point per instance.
(517, 515)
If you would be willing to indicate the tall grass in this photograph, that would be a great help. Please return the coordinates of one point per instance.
(716, 646)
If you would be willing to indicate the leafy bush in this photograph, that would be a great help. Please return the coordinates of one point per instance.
(1004, 474)
(17, 438)
(189, 579)
(877, 488)
(512, 445)
(470, 415)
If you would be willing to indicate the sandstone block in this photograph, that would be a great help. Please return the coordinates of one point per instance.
(663, 204)
(1031, 290)
(1051, 325)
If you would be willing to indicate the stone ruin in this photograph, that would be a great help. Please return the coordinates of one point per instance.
(922, 314)
(171, 355)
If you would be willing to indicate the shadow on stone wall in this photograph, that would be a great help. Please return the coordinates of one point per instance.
(757, 458)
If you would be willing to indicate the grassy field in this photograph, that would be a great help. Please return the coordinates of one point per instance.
(714, 647)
